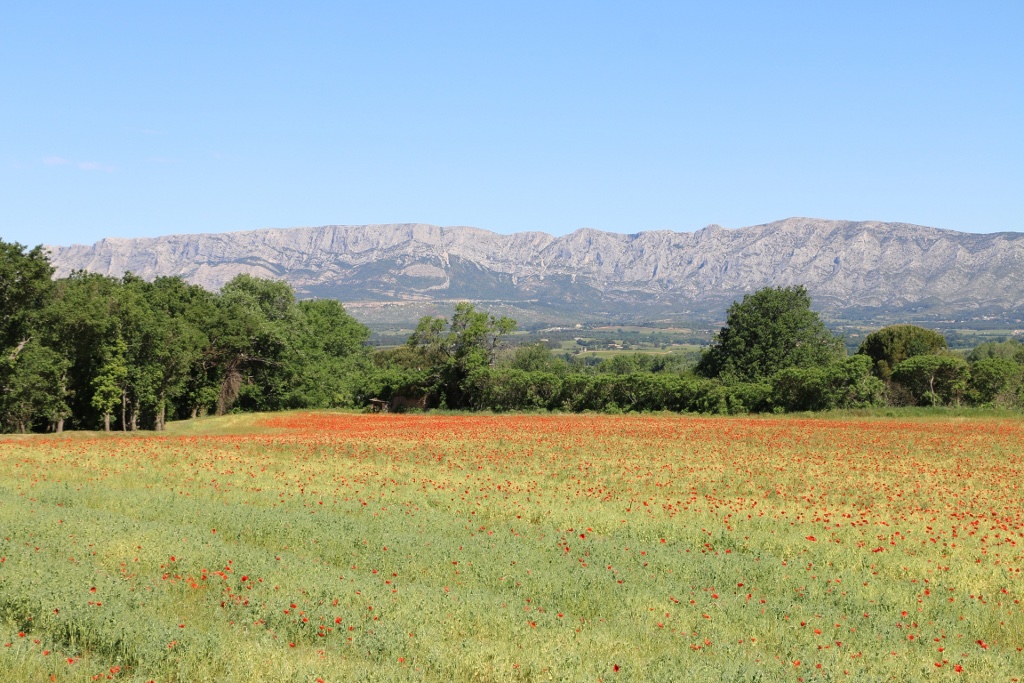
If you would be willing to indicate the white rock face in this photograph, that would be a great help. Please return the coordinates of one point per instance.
(843, 264)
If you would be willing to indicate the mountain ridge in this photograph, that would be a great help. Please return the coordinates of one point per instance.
(845, 265)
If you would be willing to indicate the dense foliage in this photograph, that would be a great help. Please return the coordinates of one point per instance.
(91, 352)
(454, 368)
(890, 346)
(770, 330)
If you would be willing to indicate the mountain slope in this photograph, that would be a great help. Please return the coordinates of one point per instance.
(846, 266)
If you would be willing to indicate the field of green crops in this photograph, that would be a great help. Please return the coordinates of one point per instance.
(344, 547)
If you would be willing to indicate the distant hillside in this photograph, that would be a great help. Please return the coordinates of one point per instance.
(852, 269)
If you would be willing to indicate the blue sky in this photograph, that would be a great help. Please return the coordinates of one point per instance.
(138, 119)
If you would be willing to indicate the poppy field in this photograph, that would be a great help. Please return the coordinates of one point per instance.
(321, 547)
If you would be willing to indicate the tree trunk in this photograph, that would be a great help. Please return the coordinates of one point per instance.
(63, 392)
(135, 418)
(195, 411)
(161, 414)
(106, 422)
(124, 411)
(229, 389)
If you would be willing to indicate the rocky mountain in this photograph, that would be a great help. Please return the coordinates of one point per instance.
(850, 268)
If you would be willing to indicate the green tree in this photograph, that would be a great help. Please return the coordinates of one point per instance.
(25, 286)
(105, 328)
(172, 341)
(79, 323)
(327, 358)
(110, 383)
(456, 347)
(996, 381)
(771, 329)
(626, 364)
(137, 326)
(536, 358)
(35, 381)
(845, 384)
(247, 339)
(890, 346)
(933, 380)
(1011, 349)
(192, 389)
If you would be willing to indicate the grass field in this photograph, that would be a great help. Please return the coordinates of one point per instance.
(340, 547)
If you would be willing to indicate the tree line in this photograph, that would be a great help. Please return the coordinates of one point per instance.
(94, 352)
(774, 354)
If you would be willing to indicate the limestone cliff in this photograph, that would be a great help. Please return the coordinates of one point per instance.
(845, 265)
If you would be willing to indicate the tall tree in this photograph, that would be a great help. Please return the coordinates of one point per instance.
(771, 329)
(934, 380)
(35, 381)
(80, 323)
(177, 339)
(248, 336)
(326, 357)
(996, 381)
(24, 288)
(110, 383)
(890, 346)
(469, 340)
(137, 325)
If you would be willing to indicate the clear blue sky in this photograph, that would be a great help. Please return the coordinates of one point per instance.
(140, 118)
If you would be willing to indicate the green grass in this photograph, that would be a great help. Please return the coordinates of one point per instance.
(515, 548)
